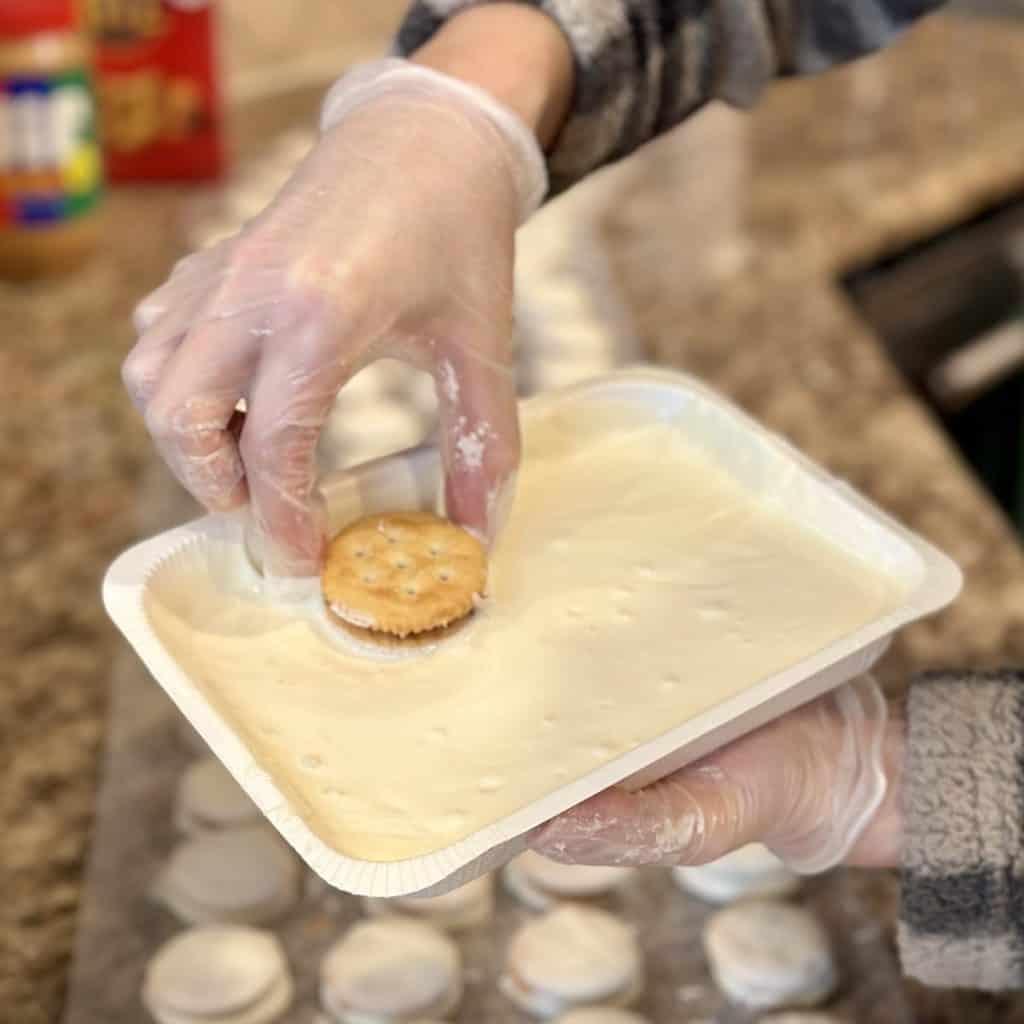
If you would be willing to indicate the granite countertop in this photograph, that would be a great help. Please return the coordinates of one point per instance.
(941, 135)
(77, 465)
(839, 172)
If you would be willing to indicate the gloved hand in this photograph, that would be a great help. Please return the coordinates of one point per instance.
(393, 238)
(818, 786)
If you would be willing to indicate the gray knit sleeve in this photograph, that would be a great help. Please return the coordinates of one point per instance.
(962, 918)
(642, 66)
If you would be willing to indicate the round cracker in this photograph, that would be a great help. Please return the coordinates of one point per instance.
(538, 882)
(576, 954)
(750, 871)
(765, 955)
(390, 968)
(209, 798)
(461, 908)
(374, 639)
(601, 1015)
(403, 573)
(246, 874)
(214, 970)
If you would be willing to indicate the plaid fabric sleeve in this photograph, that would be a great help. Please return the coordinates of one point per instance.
(642, 66)
(962, 915)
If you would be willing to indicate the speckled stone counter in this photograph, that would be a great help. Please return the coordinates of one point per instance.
(942, 137)
(941, 134)
(75, 461)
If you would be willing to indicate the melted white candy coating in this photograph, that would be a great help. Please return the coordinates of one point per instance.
(222, 972)
(390, 968)
(634, 586)
(468, 905)
(752, 870)
(573, 955)
(208, 797)
(800, 1017)
(766, 954)
(538, 882)
(244, 874)
(601, 1015)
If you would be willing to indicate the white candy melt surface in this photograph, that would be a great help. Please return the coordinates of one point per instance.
(765, 954)
(467, 905)
(575, 953)
(601, 1015)
(214, 971)
(752, 870)
(392, 968)
(570, 879)
(537, 881)
(625, 544)
(242, 874)
(208, 797)
(799, 1017)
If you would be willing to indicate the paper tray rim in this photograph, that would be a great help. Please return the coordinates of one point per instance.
(125, 584)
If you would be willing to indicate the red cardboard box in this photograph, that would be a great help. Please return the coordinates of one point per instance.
(159, 92)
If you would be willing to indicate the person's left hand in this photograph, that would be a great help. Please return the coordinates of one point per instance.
(818, 786)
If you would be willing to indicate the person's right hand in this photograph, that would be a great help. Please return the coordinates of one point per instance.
(819, 786)
(393, 238)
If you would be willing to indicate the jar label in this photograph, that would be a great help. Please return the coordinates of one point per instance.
(50, 163)
(158, 87)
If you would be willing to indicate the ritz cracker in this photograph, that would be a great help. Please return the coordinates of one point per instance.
(159, 90)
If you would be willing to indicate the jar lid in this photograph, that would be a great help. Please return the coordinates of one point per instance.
(26, 17)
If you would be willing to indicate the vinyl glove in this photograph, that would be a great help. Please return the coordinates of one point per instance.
(807, 785)
(394, 237)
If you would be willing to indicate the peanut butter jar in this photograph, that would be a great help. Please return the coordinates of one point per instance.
(51, 173)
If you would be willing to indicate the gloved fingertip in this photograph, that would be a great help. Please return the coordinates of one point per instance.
(288, 563)
(479, 535)
(231, 502)
(145, 314)
(480, 513)
(574, 846)
(290, 589)
(288, 576)
(499, 506)
(285, 560)
(551, 841)
(584, 834)
(233, 521)
(463, 507)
